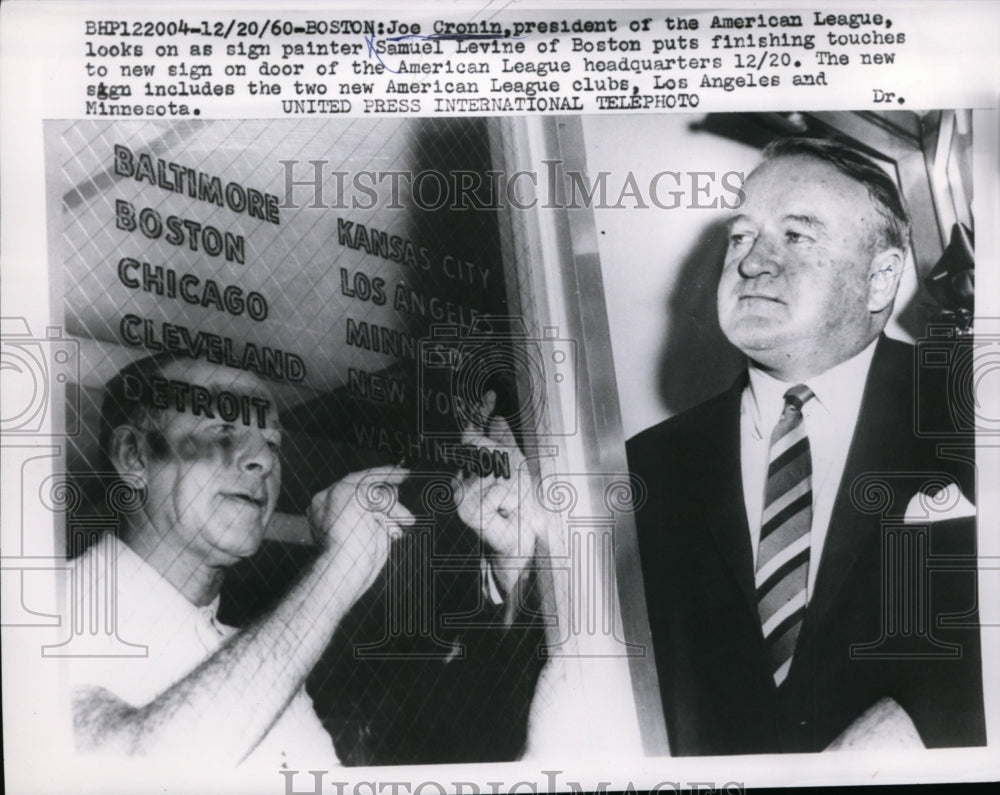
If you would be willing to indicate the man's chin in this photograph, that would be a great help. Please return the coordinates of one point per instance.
(241, 539)
(754, 334)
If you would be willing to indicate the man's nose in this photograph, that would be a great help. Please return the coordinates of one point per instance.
(256, 454)
(761, 259)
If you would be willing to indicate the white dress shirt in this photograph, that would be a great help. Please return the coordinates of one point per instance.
(829, 419)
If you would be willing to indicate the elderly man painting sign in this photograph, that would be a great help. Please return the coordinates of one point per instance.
(200, 443)
(767, 577)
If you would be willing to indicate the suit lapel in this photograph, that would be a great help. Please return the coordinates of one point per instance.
(723, 505)
(875, 438)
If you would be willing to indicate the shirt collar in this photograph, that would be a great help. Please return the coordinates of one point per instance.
(137, 580)
(838, 392)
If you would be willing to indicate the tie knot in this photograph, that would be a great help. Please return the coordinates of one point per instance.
(798, 395)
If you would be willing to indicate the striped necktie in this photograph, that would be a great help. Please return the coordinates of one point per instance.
(783, 553)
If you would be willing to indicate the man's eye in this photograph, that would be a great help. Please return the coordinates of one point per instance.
(740, 238)
(797, 237)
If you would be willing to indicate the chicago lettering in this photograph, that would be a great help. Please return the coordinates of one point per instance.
(191, 289)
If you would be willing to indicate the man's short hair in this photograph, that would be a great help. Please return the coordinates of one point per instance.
(127, 401)
(894, 230)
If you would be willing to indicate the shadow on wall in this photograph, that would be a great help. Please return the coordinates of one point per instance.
(697, 361)
(914, 316)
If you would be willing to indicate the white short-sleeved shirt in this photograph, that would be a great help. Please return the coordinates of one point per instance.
(159, 638)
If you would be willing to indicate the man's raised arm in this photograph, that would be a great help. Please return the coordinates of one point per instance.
(226, 705)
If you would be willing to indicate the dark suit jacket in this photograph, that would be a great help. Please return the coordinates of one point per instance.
(717, 690)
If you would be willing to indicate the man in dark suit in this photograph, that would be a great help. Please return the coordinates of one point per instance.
(790, 600)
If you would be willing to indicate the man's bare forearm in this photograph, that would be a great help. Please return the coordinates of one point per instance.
(228, 703)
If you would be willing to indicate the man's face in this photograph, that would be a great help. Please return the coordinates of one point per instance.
(794, 291)
(215, 487)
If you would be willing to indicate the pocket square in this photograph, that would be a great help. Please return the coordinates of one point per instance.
(938, 506)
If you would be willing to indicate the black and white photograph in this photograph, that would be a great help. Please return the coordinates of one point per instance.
(810, 502)
(793, 254)
(304, 506)
(518, 398)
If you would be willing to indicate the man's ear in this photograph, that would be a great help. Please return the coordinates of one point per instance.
(129, 452)
(884, 274)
